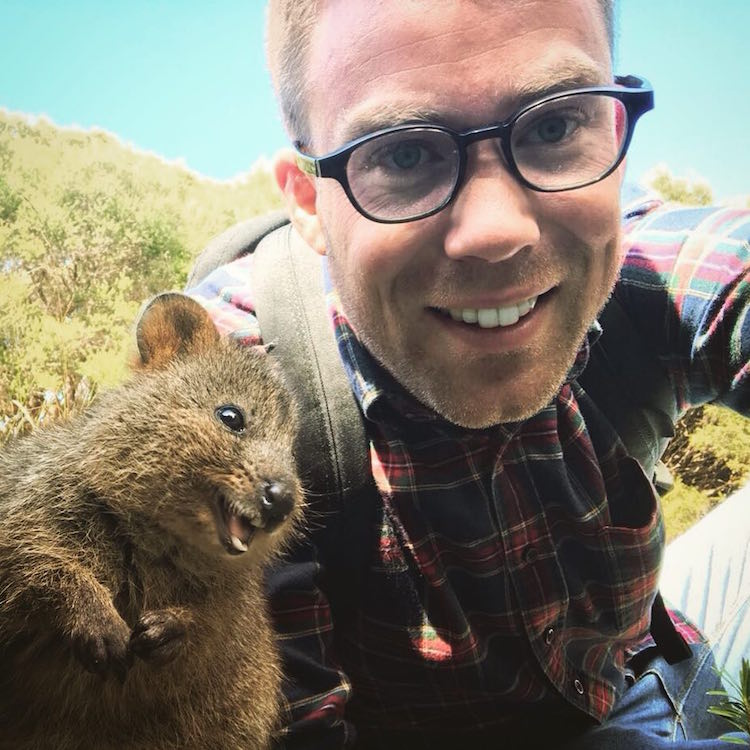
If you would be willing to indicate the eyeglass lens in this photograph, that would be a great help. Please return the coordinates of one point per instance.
(404, 173)
(570, 141)
(557, 145)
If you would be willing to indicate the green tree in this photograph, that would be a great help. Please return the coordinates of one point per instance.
(680, 190)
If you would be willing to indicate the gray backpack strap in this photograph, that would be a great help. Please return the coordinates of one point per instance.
(291, 307)
(239, 239)
(331, 447)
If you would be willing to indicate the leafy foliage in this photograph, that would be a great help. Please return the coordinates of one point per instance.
(735, 707)
(89, 229)
(710, 456)
(679, 189)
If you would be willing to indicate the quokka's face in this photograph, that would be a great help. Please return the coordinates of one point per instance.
(233, 489)
(255, 497)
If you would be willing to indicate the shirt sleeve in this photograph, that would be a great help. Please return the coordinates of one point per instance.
(315, 689)
(227, 295)
(685, 285)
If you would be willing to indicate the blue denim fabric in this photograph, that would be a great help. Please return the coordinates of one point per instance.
(707, 576)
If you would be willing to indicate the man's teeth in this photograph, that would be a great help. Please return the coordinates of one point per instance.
(492, 317)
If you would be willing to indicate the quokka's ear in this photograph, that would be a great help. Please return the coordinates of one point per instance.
(172, 325)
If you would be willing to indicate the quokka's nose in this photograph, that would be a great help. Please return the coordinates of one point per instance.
(277, 502)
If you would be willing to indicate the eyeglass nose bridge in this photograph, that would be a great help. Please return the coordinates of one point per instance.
(500, 132)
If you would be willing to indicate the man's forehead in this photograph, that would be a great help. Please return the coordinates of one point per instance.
(376, 68)
(348, 20)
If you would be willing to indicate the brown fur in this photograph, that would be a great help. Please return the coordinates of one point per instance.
(125, 622)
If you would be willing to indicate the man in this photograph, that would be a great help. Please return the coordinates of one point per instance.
(468, 208)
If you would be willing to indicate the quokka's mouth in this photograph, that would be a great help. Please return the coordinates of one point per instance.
(235, 527)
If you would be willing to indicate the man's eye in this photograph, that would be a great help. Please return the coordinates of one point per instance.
(551, 130)
(404, 156)
(407, 155)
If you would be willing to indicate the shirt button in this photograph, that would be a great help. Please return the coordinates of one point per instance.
(530, 555)
(549, 635)
(578, 685)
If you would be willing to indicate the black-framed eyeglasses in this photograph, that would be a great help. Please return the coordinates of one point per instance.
(561, 142)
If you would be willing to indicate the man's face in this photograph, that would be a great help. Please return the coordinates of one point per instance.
(499, 245)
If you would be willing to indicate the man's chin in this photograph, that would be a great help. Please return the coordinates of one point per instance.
(480, 408)
(479, 415)
(483, 393)
(483, 397)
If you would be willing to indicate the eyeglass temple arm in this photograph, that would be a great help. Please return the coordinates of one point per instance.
(633, 82)
(307, 165)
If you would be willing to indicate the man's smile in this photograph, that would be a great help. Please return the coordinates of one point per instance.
(492, 317)
(505, 329)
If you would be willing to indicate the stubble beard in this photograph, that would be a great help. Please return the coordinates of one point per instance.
(450, 396)
(444, 389)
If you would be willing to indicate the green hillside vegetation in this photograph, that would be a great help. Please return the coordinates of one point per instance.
(89, 228)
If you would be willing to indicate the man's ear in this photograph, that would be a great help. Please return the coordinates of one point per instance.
(300, 195)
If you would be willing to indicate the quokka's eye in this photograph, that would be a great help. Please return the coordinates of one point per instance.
(232, 417)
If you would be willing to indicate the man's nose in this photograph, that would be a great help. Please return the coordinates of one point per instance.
(492, 216)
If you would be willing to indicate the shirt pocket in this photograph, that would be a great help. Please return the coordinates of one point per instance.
(635, 546)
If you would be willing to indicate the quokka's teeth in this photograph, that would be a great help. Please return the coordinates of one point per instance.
(238, 544)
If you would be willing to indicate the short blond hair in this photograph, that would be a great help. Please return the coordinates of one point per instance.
(289, 25)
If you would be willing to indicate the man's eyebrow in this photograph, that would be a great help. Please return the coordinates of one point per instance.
(371, 119)
(560, 75)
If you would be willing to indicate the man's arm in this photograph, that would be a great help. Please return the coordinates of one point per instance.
(686, 285)
(227, 295)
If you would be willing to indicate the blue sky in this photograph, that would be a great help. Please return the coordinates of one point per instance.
(186, 79)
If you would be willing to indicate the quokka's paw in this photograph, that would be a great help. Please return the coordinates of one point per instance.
(102, 646)
(158, 636)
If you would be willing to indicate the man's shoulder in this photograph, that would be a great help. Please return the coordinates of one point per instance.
(649, 222)
(221, 278)
(683, 249)
(227, 294)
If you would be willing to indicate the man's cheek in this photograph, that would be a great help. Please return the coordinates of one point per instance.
(591, 213)
(337, 215)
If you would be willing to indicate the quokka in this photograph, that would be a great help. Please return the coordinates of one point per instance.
(132, 544)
